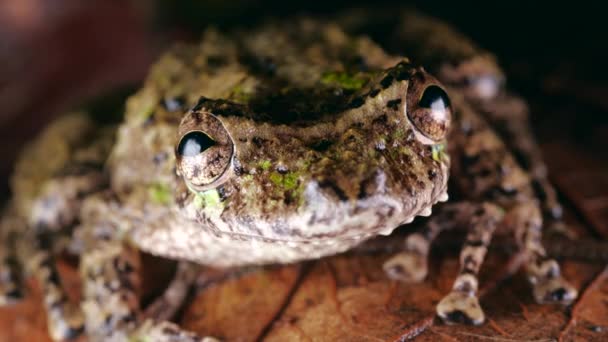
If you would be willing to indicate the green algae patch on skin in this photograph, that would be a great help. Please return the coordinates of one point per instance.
(207, 199)
(343, 80)
(439, 152)
(160, 193)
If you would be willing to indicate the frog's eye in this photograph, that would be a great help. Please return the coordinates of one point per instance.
(204, 150)
(430, 111)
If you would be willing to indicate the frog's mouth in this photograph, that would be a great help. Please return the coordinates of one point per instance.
(324, 221)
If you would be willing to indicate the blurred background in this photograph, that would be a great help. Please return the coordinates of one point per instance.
(55, 55)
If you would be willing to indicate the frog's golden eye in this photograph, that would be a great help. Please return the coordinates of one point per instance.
(204, 151)
(430, 111)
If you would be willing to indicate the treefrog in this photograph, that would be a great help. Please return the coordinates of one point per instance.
(288, 142)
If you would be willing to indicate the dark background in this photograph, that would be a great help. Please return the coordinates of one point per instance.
(56, 55)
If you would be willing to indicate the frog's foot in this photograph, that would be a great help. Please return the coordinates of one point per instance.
(167, 332)
(460, 307)
(554, 291)
(549, 287)
(408, 266)
(544, 274)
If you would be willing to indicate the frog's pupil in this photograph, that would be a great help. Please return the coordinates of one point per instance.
(194, 143)
(434, 98)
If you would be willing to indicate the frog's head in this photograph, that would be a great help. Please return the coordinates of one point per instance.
(345, 167)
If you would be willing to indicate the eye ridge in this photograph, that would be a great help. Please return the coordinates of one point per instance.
(430, 97)
(194, 143)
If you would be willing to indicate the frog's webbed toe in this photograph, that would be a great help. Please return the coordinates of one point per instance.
(554, 291)
(549, 287)
(460, 307)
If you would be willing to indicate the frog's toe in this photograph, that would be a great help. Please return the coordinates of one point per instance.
(409, 266)
(554, 291)
(460, 308)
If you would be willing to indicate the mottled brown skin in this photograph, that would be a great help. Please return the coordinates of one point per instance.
(497, 183)
(290, 142)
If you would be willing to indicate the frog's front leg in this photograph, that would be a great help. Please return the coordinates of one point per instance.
(543, 273)
(461, 305)
(111, 301)
(411, 265)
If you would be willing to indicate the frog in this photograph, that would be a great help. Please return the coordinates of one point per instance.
(288, 142)
(499, 181)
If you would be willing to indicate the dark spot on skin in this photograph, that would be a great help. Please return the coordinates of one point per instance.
(374, 92)
(387, 81)
(459, 317)
(123, 266)
(469, 161)
(170, 330)
(74, 332)
(200, 103)
(243, 140)
(558, 295)
(56, 305)
(149, 120)
(262, 65)
(404, 72)
(357, 102)
(469, 268)
(322, 146)
(216, 61)
(221, 191)
(257, 141)
(359, 62)
(485, 172)
(335, 188)
(196, 171)
(596, 329)
(14, 294)
(130, 318)
(393, 104)
(539, 190)
(507, 192)
(479, 211)
(474, 243)
(160, 157)
(522, 158)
